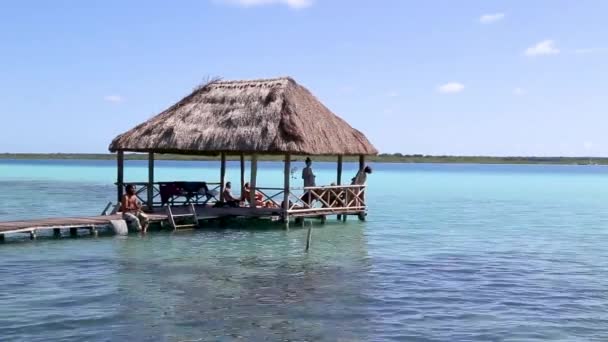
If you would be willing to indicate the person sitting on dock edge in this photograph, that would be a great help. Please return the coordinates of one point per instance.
(131, 210)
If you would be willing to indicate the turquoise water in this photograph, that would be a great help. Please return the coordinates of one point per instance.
(449, 253)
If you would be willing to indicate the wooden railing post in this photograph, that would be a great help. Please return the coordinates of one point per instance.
(120, 161)
(150, 197)
(242, 171)
(339, 176)
(345, 202)
(222, 176)
(252, 181)
(286, 190)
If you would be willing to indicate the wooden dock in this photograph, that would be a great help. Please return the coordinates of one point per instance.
(61, 226)
(58, 224)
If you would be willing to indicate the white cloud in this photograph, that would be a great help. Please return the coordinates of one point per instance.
(588, 145)
(451, 88)
(491, 18)
(546, 47)
(113, 98)
(296, 4)
(518, 91)
(392, 93)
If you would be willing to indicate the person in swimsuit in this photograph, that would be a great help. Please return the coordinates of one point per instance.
(131, 210)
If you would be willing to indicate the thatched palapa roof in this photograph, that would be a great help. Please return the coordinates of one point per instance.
(272, 116)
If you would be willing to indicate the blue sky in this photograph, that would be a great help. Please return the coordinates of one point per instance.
(433, 77)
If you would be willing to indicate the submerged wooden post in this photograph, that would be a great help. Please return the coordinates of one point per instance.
(222, 175)
(361, 162)
(252, 183)
(73, 232)
(286, 190)
(56, 232)
(150, 201)
(242, 171)
(120, 161)
(1, 237)
(309, 237)
(339, 177)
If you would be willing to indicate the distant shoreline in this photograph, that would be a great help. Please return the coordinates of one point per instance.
(381, 158)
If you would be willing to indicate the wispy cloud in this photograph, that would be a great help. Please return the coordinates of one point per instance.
(491, 18)
(113, 98)
(295, 4)
(519, 91)
(450, 88)
(544, 48)
(392, 93)
(588, 145)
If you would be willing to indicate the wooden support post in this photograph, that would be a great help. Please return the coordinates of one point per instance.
(120, 161)
(339, 176)
(2, 237)
(73, 232)
(242, 172)
(361, 167)
(150, 199)
(33, 234)
(286, 190)
(345, 201)
(222, 176)
(56, 232)
(361, 216)
(252, 181)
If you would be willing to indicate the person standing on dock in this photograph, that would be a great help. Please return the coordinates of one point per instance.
(131, 210)
(361, 176)
(307, 175)
(309, 180)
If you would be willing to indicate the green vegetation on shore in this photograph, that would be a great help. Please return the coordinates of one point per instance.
(384, 158)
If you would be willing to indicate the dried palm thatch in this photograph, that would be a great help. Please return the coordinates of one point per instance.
(272, 116)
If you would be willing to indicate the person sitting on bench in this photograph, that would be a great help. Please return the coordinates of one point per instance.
(229, 197)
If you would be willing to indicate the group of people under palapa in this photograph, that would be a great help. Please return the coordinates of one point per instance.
(133, 214)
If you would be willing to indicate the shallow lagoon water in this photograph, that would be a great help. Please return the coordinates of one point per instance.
(449, 253)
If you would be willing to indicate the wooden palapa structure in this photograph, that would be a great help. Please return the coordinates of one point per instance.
(250, 118)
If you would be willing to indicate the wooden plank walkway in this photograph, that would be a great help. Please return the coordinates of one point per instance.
(65, 223)
(93, 223)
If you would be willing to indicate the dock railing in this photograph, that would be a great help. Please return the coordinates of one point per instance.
(332, 199)
(179, 198)
(319, 199)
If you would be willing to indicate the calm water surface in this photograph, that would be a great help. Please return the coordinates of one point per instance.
(449, 253)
